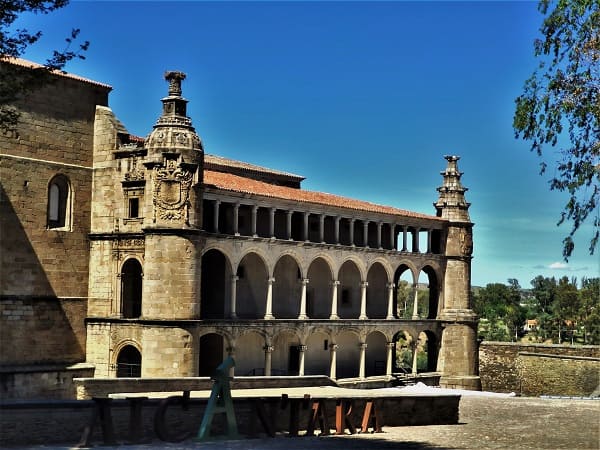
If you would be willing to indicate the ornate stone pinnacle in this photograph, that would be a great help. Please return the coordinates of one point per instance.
(174, 78)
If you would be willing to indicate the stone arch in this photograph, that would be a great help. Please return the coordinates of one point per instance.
(349, 290)
(403, 354)
(258, 252)
(128, 361)
(252, 273)
(377, 291)
(432, 349)
(286, 288)
(376, 354)
(348, 354)
(60, 201)
(404, 281)
(286, 353)
(430, 308)
(317, 354)
(249, 353)
(212, 353)
(131, 275)
(318, 298)
(215, 285)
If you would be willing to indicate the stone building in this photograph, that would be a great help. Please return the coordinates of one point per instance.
(148, 257)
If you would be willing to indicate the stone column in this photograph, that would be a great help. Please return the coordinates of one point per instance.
(254, 216)
(302, 315)
(322, 228)
(216, 218)
(272, 222)
(366, 233)
(231, 353)
(306, 215)
(236, 212)
(415, 240)
(333, 361)
(404, 232)
(390, 309)
(302, 349)
(234, 279)
(288, 226)
(352, 232)
(268, 356)
(363, 300)
(388, 361)
(363, 353)
(269, 308)
(393, 245)
(334, 299)
(415, 314)
(415, 353)
(429, 234)
(337, 229)
(379, 225)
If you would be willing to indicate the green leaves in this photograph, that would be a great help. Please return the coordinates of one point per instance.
(564, 94)
(15, 82)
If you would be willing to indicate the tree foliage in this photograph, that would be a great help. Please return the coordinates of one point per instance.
(14, 81)
(563, 312)
(560, 106)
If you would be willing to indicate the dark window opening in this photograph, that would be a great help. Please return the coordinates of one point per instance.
(134, 208)
(129, 363)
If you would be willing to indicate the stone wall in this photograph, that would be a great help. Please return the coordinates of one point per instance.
(538, 369)
(44, 270)
(41, 381)
(42, 330)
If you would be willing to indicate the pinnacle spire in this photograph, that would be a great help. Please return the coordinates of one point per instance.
(451, 203)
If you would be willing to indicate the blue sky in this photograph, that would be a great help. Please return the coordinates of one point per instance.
(362, 98)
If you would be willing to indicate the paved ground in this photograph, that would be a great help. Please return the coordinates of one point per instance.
(485, 423)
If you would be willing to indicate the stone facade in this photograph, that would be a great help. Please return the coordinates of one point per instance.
(179, 258)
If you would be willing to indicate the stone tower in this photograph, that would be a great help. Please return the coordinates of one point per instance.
(171, 288)
(458, 356)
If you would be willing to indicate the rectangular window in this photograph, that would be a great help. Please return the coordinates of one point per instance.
(134, 208)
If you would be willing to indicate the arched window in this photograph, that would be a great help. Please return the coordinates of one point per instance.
(129, 362)
(59, 197)
(131, 289)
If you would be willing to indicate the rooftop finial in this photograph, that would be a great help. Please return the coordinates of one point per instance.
(174, 78)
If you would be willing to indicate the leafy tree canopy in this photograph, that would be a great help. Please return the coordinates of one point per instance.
(15, 82)
(560, 105)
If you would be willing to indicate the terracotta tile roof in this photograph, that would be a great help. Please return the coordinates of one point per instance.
(32, 65)
(234, 183)
(220, 161)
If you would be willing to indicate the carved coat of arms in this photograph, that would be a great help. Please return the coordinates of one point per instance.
(171, 192)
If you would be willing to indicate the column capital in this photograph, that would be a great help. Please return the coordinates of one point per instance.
(234, 278)
(254, 207)
(390, 285)
(364, 284)
(304, 281)
(335, 282)
(271, 280)
(268, 348)
(390, 345)
(363, 345)
(230, 350)
(333, 347)
(302, 348)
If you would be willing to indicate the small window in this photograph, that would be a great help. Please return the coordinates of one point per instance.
(134, 208)
(58, 203)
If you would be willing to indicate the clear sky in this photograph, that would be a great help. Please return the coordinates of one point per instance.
(362, 98)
